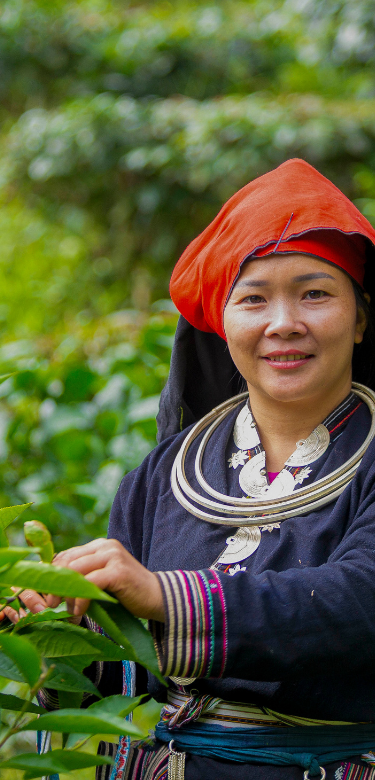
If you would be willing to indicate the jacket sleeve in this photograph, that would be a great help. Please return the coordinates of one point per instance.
(276, 624)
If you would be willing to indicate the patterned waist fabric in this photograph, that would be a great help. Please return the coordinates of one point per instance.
(348, 771)
(243, 733)
(182, 709)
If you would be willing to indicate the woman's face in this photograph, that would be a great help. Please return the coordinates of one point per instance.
(291, 323)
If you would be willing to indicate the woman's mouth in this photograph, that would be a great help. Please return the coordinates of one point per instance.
(287, 360)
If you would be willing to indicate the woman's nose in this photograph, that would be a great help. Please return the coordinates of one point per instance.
(284, 321)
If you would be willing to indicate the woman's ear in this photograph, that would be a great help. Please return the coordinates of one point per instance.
(361, 323)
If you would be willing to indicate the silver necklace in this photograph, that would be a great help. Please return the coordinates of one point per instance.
(253, 479)
(253, 474)
(247, 512)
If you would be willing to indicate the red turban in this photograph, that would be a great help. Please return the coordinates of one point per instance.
(291, 209)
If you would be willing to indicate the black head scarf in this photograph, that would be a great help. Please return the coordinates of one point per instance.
(202, 375)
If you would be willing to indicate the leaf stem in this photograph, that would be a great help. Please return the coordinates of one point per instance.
(33, 691)
(80, 744)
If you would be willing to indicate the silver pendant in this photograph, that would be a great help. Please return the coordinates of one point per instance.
(241, 545)
(254, 480)
(176, 763)
(310, 449)
(282, 485)
(245, 432)
(253, 476)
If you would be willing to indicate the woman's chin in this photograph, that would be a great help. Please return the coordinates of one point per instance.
(290, 389)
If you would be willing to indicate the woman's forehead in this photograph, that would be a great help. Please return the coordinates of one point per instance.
(289, 266)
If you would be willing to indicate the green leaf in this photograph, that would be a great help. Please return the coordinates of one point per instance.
(10, 513)
(45, 578)
(11, 555)
(24, 655)
(73, 740)
(128, 631)
(77, 662)
(10, 702)
(65, 678)
(115, 705)
(56, 761)
(59, 613)
(57, 639)
(9, 669)
(70, 699)
(5, 593)
(75, 721)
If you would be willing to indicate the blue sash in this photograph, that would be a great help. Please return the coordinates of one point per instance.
(308, 746)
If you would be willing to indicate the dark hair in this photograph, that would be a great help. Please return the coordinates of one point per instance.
(364, 353)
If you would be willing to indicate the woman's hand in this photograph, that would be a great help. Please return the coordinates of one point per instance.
(107, 564)
(33, 601)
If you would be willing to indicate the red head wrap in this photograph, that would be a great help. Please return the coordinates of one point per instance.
(291, 209)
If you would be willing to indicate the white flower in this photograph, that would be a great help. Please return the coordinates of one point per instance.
(303, 474)
(234, 569)
(238, 459)
(269, 527)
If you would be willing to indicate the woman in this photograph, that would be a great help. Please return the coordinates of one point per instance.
(249, 540)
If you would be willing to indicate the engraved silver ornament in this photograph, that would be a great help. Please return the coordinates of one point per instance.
(241, 545)
(309, 450)
(253, 476)
(245, 431)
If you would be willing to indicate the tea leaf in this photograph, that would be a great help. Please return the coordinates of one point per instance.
(10, 513)
(45, 578)
(115, 705)
(75, 721)
(56, 761)
(23, 654)
(10, 702)
(65, 678)
(128, 631)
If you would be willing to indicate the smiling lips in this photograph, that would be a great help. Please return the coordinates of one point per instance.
(287, 359)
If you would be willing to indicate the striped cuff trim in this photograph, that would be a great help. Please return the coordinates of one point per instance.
(192, 642)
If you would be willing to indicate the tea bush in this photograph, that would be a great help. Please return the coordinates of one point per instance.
(78, 414)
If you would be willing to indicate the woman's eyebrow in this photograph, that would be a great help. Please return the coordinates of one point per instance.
(316, 275)
(301, 278)
(252, 283)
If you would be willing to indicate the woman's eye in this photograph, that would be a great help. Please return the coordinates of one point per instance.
(254, 299)
(314, 295)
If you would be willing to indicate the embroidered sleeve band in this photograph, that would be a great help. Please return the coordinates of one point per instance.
(193, 640)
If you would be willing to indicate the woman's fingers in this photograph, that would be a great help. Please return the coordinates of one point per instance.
(76, 617)
(79, 607)
(33, 601)
(11, 614)
(89, 562)
(107, 564)
(134, 586)
(66, 556)
(52, 601)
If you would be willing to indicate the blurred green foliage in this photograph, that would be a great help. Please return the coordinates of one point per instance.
(78, 414)
(123, 128)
